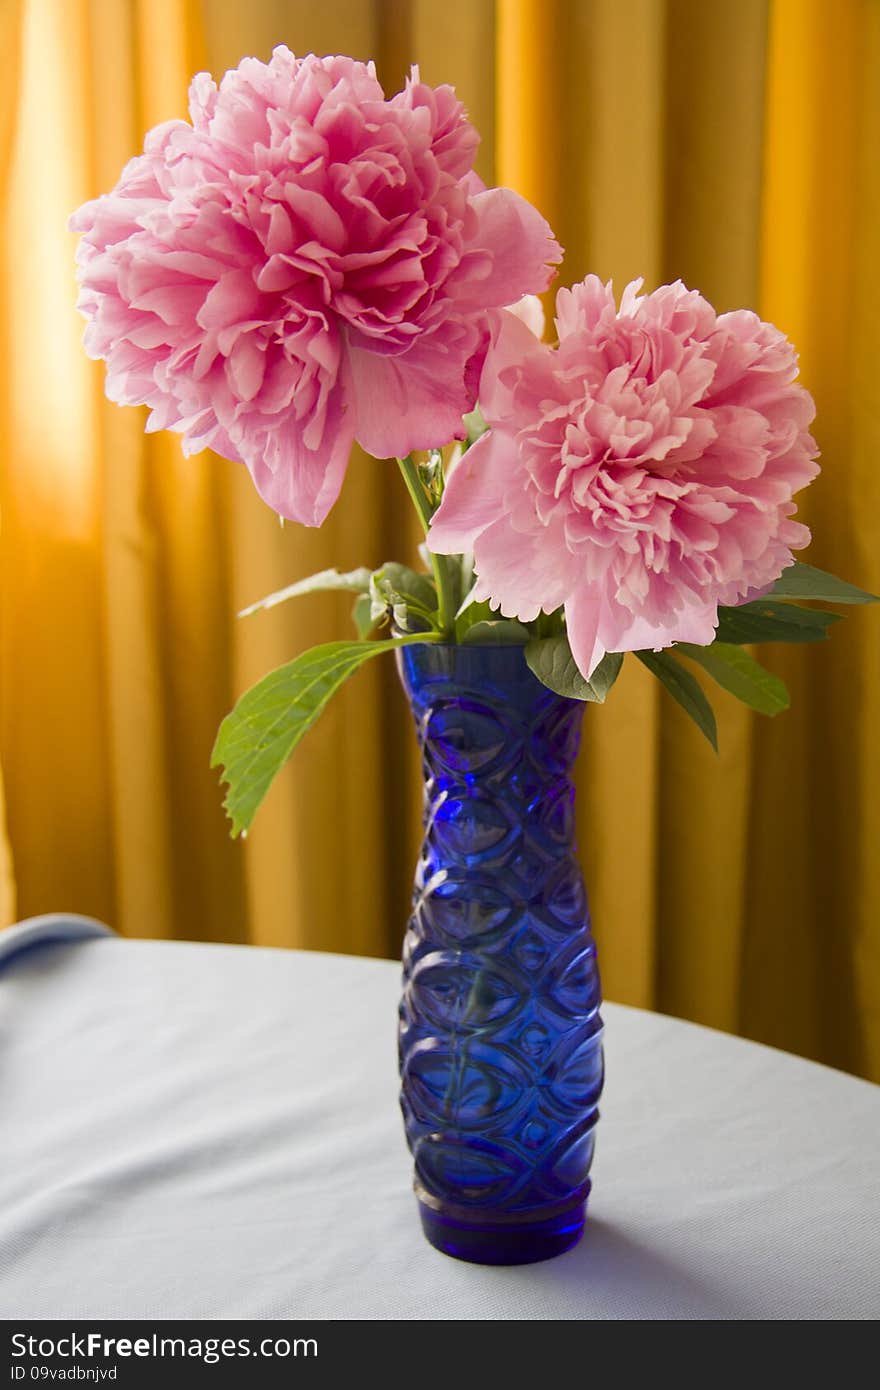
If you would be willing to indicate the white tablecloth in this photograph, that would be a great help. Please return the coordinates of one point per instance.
(212, 1131)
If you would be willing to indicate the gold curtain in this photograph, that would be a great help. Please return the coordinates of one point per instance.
(731, 144)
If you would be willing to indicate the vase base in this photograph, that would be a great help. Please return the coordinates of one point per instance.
(514, 1242)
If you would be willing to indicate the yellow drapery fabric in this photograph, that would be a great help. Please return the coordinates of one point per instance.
(731, 144)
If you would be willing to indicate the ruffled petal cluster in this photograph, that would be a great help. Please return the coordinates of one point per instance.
(301, 265)
(640, 473)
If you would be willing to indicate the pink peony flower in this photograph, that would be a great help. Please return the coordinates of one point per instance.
(640, 473)
(304, 265)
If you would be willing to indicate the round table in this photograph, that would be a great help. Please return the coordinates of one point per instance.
(200, 1131)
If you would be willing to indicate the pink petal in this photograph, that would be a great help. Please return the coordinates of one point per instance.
(582, 609)
(584, 306)
(523, 574)
(299, 483)
(412, 401)
(246, 367)
(530, 311)
(232, 299)
(519, 239)
(514, 350)
(694, 623)
(474, 494)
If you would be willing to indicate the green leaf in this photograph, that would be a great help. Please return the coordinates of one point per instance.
(355, 582)
(362, 615)
(502, 632)
(255, 740)
(740, 674)
(550, 624)
(409, 597)
(805, 581)
(550, 659)
(768, 620)
(684, 689)
(470, 614)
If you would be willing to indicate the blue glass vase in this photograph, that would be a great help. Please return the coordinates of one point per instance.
(500, 1034)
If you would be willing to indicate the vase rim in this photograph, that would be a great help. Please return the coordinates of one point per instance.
(466, 646)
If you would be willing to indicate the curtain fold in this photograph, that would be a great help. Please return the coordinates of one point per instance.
(661, 138)
(10, 44)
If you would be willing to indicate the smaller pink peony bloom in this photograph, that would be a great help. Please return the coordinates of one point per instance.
(640, 474)
(304, 265)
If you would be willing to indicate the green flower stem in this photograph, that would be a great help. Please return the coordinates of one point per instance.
(414, 487)
(440, 564)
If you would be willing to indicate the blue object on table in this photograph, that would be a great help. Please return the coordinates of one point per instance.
(53, 928)
(500, 1034)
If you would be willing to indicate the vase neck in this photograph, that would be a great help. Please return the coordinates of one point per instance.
(497, 749)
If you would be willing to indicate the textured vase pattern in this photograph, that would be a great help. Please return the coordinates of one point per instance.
(500, 1034)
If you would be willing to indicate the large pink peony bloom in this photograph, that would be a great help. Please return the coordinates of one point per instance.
(640, 473)
(304, 265)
